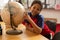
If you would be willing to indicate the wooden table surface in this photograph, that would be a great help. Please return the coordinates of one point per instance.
(26, 35)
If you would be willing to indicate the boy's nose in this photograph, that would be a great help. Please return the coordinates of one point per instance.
(35, 10)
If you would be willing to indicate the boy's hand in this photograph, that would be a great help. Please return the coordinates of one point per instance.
(28, 27)
(26, 16)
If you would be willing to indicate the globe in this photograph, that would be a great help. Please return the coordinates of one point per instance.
(16, 10)
(12, 14)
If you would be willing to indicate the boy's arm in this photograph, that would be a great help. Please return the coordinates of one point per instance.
(36, 28)
(28, 27)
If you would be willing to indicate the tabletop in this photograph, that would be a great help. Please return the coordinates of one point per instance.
(26, 35)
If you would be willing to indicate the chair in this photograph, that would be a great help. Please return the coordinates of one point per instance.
(51, 24)
(56, 36)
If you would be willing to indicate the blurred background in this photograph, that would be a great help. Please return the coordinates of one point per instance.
(51, 8)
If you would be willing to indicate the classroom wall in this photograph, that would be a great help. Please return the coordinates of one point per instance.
(52, 3)
(51, 14)
(45, 14)
(2, 3)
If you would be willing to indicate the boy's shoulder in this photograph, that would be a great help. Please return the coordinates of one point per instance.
(40, 16)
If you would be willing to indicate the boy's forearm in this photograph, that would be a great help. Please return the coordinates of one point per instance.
(35, 27)
(29, 28)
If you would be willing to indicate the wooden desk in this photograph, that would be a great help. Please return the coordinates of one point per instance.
(26, 35)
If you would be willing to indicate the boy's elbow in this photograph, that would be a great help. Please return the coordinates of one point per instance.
(38, 31)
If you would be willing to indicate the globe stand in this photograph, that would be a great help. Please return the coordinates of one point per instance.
(13, 32)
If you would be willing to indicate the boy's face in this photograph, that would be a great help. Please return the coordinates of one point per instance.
(35, 9)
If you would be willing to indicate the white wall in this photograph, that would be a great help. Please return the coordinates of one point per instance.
(57, 1)
(51, 14)
(30, 1)
(52, 3)
(2, 3)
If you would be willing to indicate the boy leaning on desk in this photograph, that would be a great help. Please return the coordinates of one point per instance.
(34, 21)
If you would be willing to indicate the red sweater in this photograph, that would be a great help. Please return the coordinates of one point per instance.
(46, 30)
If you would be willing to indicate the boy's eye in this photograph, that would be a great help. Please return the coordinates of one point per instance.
(33, 7)
(38, 9)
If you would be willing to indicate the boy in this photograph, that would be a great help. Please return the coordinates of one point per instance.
(34, 21)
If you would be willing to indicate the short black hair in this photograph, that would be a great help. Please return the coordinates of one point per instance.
(37, 2)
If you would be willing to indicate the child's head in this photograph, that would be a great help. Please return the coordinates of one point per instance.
(37, 2)
(36, 7)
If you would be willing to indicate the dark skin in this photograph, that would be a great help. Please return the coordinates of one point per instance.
(35, 9)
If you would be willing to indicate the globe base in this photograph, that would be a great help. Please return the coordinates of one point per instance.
(14, 32)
